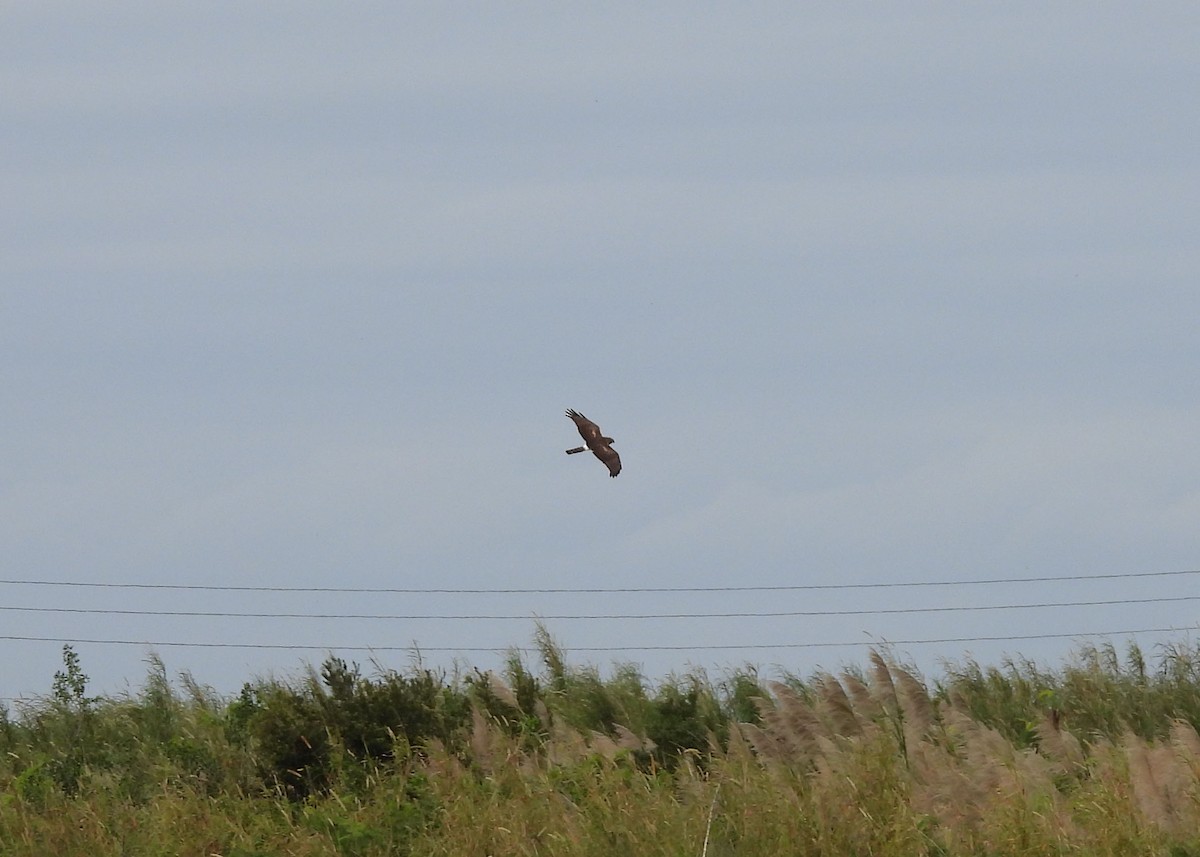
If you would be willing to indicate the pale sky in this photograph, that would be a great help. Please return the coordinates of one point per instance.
(295, 294)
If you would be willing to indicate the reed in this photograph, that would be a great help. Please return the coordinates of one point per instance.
(1011, 760)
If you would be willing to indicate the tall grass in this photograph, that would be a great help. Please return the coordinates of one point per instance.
(1098, 756)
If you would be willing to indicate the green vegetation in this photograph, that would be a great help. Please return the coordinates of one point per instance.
(1100, 756)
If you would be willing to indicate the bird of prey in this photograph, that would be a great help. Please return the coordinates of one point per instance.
(600, 445)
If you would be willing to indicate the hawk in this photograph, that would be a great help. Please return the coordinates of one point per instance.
(600, 445)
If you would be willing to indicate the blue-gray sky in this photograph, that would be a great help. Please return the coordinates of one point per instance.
(295, 294)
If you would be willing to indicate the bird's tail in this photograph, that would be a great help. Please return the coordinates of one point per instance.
(576, 449)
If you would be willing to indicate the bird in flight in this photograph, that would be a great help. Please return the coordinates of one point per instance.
(600, 445)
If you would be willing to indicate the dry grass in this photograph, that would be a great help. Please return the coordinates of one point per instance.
(928, 778)
(879, 764)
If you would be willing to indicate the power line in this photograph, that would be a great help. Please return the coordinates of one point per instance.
(772, 614)
(650, 648)
(599, 590)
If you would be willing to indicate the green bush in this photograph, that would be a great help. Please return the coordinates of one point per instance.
(343, 722)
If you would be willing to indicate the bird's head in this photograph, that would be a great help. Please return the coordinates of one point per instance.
(608, 440)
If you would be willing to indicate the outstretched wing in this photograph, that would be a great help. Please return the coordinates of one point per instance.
(600, 445)
(587, 429)
(609, 456)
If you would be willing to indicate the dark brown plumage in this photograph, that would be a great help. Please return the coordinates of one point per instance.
(600, 445)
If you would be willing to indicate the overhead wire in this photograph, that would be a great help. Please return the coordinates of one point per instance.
(754, 614)
(746, 614)
(646, 648)
(800, 587)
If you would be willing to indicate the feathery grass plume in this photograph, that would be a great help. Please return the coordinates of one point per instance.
(950, 795)
(767, 746)
(627, 740)
(1102, 815)
(984, 749)
(914, 702)
(486, 743)
(836, 707)
(1164, 784)
(954, 781)
(604, 746)
(738, 749)
(882, 687)
(859, 793)
(565, 745)
(866, 705)
(793, 721)
(1058, 745)
(907, 706)
(1149, 792)
(1187, 744)
(541, 712)
(502, 691)
(974, 782)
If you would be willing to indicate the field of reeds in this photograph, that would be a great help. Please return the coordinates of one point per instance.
(1097, 756)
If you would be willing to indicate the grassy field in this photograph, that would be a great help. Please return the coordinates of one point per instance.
(1099, 756)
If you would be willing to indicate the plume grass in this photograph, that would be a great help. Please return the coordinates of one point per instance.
(1013, 760)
